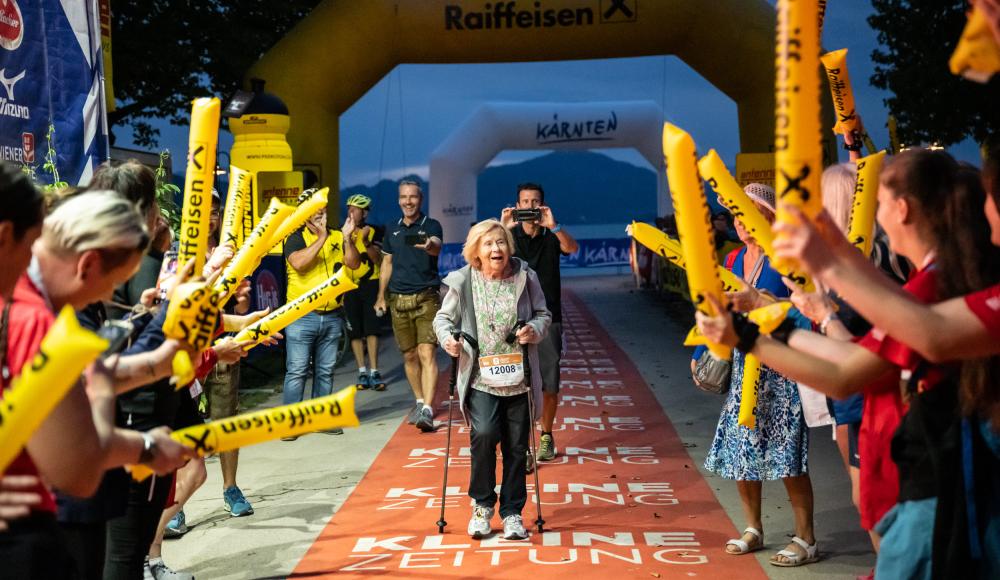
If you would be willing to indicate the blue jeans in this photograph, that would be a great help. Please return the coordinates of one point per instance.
(314, 336)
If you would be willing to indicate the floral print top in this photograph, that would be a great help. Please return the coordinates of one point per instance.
(495, 304)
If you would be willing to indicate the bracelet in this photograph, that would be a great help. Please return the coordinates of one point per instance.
(746, 331)
(556, 229)
(855, 147)
(148, 449)
(827, 320)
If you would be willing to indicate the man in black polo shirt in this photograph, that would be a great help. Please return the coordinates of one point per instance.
(540, 243)
(410, 274)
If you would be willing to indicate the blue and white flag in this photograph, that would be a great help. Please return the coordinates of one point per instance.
(51, 72)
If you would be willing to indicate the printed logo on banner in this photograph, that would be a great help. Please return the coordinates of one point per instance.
(28, 145)
(266, 289)
(8, 107)
(614, 11)
(597, 129)
(11, 25)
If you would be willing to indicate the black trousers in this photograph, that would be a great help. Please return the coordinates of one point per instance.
(87, 543)
(130, 536)
(502, 420)
(35, 548)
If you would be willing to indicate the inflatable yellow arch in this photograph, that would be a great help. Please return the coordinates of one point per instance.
(331, 58)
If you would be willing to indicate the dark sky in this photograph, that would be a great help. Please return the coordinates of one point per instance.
(393, 129)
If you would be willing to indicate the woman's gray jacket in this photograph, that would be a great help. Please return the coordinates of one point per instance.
(457, 314)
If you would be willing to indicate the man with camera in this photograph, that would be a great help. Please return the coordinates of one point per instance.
(410, 275)
(540, 241)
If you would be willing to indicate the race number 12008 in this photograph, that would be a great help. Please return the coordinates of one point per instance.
(502, 370)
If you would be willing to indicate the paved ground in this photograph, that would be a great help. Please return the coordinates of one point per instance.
(296, 486)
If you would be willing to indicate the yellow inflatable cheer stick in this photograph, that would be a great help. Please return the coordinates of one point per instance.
(202, 141)
(320, 414)
(714, 171)
(192, 317)
(319, 296)
(302, 213)
(236, 200)
(670, 249)
(977, 56)
(798, 151)
(694, 225)
(748, 391)
(894, 146)
(835, 64)
(248, 257)
(64, 353)
(862, 220)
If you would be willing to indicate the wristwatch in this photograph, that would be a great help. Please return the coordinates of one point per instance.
(148, 449)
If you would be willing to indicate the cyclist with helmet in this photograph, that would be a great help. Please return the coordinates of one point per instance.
(359, 306)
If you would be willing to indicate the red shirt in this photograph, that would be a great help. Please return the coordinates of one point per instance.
(30, 319)
(985, 304)
(883, 412)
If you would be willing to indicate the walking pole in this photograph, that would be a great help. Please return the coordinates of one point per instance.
(539, 522)
(447, 450)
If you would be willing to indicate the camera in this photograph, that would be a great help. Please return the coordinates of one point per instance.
(527, 215)
(414, 239)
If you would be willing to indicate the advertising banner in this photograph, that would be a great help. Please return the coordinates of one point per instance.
(51, 74)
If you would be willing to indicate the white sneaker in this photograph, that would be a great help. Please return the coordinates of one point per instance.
(479, 524)
(513, 528)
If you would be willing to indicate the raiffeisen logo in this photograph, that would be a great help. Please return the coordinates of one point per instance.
(11, 25)
(503, 15)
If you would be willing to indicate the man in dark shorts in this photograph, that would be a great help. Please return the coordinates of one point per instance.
(540, 242)
(359, 306)
(410, 275)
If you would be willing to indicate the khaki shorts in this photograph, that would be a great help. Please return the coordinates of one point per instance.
(222, 385)
(413, 318)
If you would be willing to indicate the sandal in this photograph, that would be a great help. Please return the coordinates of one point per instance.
(793, 558)
(742, 546)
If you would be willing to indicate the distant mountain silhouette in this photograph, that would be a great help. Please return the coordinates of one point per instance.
(582, 187)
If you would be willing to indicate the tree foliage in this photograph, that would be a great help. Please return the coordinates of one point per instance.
(916, 38)
(167, 52)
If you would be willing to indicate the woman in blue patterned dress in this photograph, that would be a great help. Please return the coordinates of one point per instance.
(778, 447)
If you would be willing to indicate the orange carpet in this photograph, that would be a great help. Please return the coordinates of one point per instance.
(622, 500)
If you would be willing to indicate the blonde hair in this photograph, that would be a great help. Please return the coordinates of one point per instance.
(470, 251)
(837, 185)
(96, 220)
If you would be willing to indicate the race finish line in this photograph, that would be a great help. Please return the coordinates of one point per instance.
(622, 496)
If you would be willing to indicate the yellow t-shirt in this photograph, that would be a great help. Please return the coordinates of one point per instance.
(368, 270)
(328, 261)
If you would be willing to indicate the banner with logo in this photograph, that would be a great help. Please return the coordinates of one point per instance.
(591, 254)
(51, 73)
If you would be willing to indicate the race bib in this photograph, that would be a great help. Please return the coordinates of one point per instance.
(502, 370)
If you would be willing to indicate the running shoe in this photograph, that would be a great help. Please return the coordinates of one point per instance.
(375, 378)
(414, 413)
(236, 504)
(546, 447)
(160, 571)
(479, 523)
(176, 527)
(426, 421)
(364, 382)
(513, 528)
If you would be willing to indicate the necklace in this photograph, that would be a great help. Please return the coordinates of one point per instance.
(491, 302)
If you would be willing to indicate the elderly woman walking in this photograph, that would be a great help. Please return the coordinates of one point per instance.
(486, 299)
